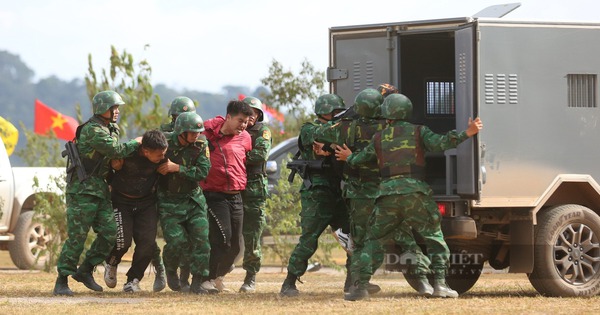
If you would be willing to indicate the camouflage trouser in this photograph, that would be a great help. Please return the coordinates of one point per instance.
(185, 229)
(85, 212)
(156, 257)
(396, 212)
(365, 260)
(252, 229)
(321, 207)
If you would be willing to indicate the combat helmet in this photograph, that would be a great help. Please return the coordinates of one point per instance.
(327, 103)
(368, 102)
(188, 121)
(396, 107)
(256, 104)
(181, 104)
(104, 100)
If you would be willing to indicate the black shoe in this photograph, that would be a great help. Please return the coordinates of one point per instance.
(173, 281)
(373, 288)
(88, 280)
(356, 294)
(249, 285)
(61, 287)
(289, 286)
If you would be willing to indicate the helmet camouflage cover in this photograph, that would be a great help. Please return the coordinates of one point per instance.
(256, 104)
(397, 107)
(181, 104)
(104, 100)
(368, 103)
(327, 103)
(188, 121)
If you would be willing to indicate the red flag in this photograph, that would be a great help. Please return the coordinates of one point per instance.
(47, 118)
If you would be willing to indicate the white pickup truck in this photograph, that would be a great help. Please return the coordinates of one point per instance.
(25, 239)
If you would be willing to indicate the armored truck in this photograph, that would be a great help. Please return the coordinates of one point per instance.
(523, 195)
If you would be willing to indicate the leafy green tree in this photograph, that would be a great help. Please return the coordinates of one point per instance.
(289, 93)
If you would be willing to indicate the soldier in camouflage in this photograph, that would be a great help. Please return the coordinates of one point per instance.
(255, 195)
(181, 204)
(405, 197)
(180, 104)
(361, 185)
(88, 201)
(322, 203)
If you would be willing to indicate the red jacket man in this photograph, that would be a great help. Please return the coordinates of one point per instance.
(228, 142)
(227, 156)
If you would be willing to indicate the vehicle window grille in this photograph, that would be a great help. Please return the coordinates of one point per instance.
(440, 98)
(582, 90)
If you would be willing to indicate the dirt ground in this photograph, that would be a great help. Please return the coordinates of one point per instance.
(26, 292)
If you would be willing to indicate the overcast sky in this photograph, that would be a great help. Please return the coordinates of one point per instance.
(205, 44)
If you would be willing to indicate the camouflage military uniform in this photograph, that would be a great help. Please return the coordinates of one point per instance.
(89, 202)
(361, 188)
(182, 207)
(404, 196)
(255, 195)
(322, 205)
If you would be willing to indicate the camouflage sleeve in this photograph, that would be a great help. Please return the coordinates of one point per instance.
(307, 136)
(434, 142)
(328, 133)
(197, 170)
(260, 147)
(100, 140)
(367, 154)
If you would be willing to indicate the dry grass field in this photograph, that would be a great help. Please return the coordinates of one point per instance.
(29, 292)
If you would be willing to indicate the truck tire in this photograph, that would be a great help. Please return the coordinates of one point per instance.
(28, 249)
(567, 252)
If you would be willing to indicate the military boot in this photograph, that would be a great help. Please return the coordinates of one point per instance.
(423, 287)
(173, 280)
(196, 286)
(61, 287)
(249, 283)
(84, 275)
(356, 293)
(159, 279)
(373, 288)
(348, 282)
(184, 278)
(441, 289)
(289, 286)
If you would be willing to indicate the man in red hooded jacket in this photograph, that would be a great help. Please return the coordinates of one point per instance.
(228, 142)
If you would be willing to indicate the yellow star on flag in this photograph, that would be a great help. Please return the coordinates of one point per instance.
(58, 121)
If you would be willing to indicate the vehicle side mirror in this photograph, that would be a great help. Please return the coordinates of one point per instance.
(271, 167)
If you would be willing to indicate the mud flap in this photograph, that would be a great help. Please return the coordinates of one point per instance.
(521, 244)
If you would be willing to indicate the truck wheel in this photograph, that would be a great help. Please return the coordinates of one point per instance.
(567, 252)
(28, 249)
(464, 271)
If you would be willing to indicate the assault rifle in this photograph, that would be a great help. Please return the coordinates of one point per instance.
(303, 168)
(73, 162)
